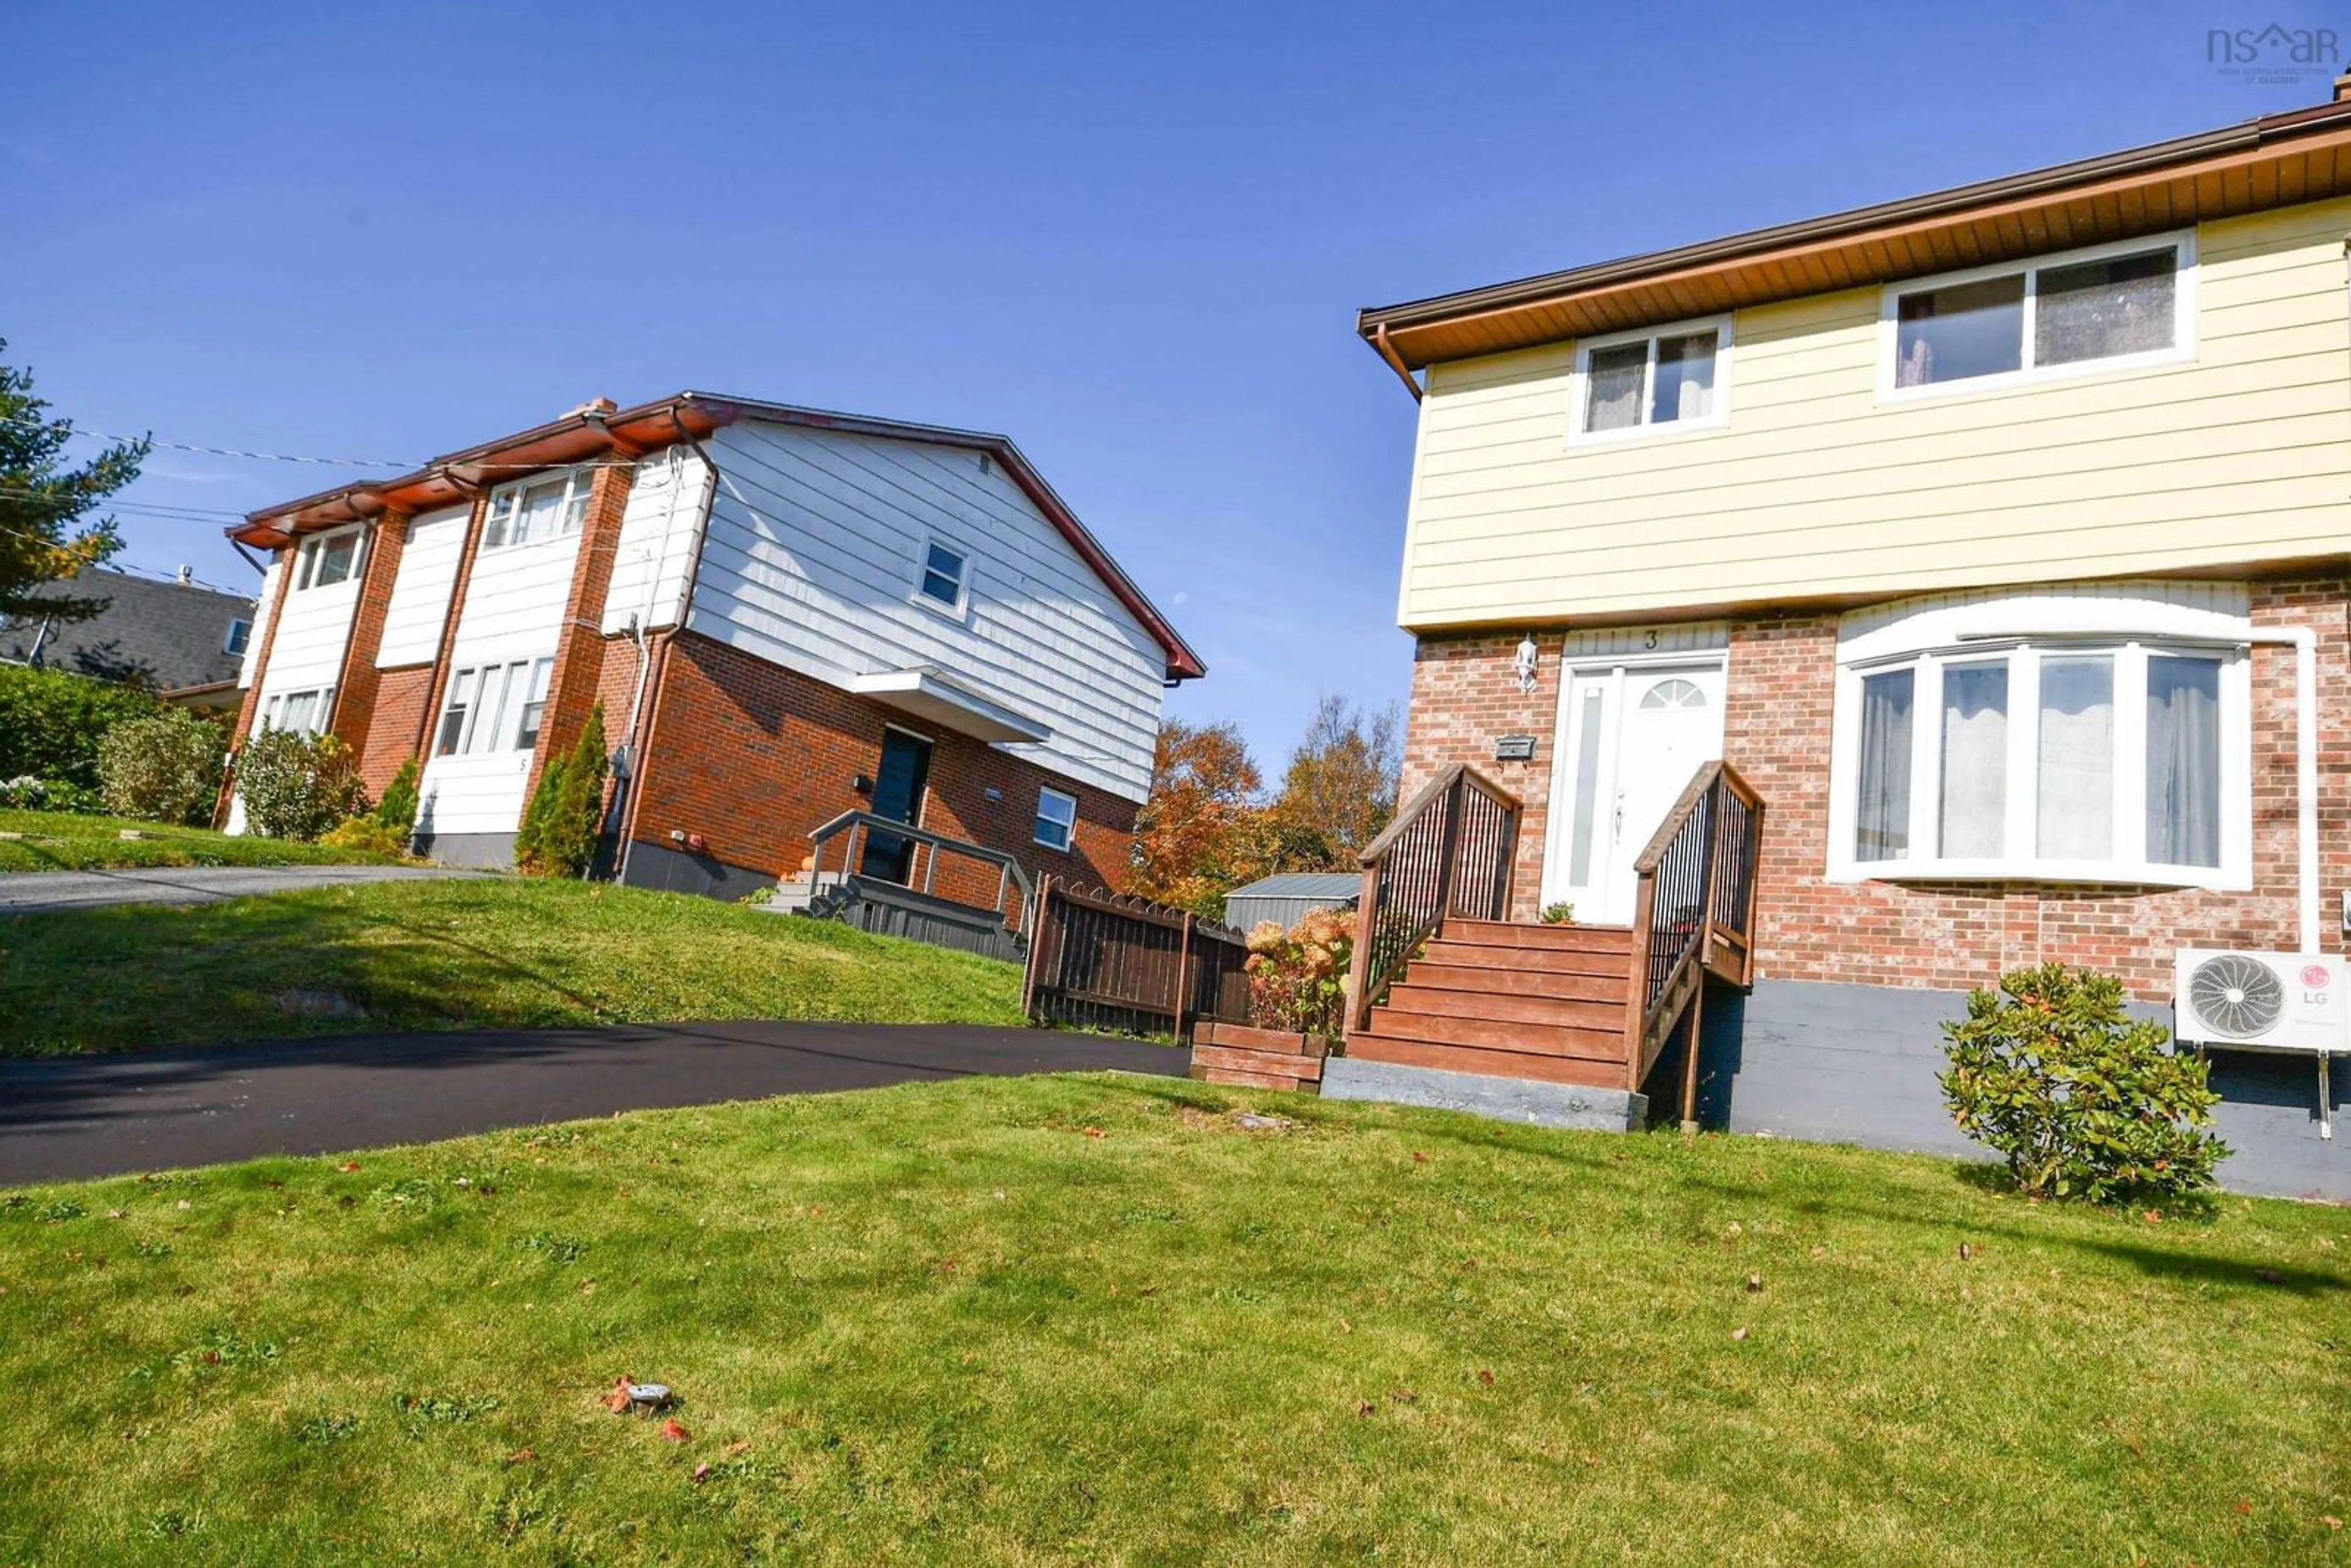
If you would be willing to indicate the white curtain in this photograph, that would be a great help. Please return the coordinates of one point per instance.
(1882, 822)
(1975, 761)
(1685, 387)
(2183, 761)
(2078, 759)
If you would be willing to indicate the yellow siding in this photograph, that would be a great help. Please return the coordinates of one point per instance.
(1816, 489)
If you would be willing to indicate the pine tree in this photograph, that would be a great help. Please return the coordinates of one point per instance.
(40, 502)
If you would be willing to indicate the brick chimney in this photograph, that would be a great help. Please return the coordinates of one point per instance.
(606, 405)
(2343, 88)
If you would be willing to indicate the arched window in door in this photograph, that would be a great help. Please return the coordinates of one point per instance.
(1673, 692)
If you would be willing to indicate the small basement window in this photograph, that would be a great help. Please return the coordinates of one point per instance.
(324, 559)
(1674, 377)
(1057, 819)
(946, 572)
(535, 510)
(2111, 308)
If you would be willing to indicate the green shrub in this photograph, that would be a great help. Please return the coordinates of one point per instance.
(559, 831)
(1559, 914)
(365, 833)
(51, 722)
(2051, 1074)
(166, 768)
(297, 786)
(398, 808)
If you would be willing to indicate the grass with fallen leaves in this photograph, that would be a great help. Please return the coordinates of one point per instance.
(1096, 1320)
(64, 841)
(501, 953)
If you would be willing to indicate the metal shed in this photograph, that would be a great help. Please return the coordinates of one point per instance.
(1287, 898)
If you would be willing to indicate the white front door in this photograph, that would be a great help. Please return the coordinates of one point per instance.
(1629, 740)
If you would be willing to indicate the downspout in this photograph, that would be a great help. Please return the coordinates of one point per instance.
(2303, 641)
(635, 778)
(1396, 361)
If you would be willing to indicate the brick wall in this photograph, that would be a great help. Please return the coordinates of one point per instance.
(753, 756)
(357, 684)
(575, 683)
(391, 739)
(1465, 694)
(1781, 688)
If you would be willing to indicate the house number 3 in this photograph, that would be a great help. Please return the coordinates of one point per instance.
(1649, 639)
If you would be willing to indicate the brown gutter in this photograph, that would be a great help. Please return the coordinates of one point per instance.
(1756, 244)
(1396, 361)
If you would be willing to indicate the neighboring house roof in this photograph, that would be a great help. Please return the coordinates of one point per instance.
(163, 632)
(2276, 160)
(602, 429)
(1304, 884)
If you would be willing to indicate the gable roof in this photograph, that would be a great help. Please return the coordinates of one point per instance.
(600, 430)
(160, 633)
(2276, 160)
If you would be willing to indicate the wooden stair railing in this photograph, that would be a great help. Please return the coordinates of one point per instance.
(1450, 852)
(1694, 915)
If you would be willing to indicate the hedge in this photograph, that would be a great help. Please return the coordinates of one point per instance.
(51, 722)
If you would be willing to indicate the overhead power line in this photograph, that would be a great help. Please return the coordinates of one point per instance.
(404, 465)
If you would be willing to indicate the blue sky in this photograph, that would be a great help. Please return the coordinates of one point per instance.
(1133, 240)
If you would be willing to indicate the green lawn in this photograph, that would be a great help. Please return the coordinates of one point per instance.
(61, 841)
(1094, 1320)
(509, 952)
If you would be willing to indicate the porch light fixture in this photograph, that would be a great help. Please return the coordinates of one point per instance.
(1524, 664)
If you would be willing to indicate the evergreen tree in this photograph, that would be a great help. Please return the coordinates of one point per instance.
(41, 502)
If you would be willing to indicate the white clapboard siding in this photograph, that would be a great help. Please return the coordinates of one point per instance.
(263, 608)
(656, 545)
(812, 560)
(513, 610)
(1818, 487)
(313, 628)
(420, 593)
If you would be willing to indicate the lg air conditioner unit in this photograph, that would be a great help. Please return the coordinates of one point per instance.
(2261, 1002)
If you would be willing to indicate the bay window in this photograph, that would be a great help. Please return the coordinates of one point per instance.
(2104, 308)
(2064, 756)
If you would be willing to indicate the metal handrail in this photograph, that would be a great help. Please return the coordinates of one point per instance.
(862, 824)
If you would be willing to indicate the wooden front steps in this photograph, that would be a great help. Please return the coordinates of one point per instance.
(1507, 1000)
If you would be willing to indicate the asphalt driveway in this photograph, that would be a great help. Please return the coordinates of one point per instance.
(109, 1116)
(38, 892)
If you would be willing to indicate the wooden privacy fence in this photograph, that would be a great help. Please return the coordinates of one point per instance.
(1102, 961)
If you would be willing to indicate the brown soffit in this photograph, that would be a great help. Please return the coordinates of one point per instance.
(623, 432)
(2275, 160)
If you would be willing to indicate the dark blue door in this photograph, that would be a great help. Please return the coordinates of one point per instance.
(898, 784)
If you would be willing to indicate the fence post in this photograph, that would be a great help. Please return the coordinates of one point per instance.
(1359, 963)
(1183, 972)
(1036, 951)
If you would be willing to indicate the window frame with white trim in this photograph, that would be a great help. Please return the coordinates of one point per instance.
(2032, 368)
(967, 566)
(507, 524)
(323, 552)
(315, 704)
(1647, 426)
(2094, 714)
(1069, 829)
(512, 691)
(237, 638)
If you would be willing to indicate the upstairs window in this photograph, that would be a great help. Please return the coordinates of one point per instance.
(1676, 377)
(1057, 819)
(946, 572)
(2111, 308)
(535, 510)
(324, 559)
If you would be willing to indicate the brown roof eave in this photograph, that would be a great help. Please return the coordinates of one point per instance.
(1758, 244)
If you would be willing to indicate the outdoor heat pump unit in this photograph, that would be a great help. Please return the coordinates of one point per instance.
(2264, 1001)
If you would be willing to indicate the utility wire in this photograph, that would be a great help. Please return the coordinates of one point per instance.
(79, 434)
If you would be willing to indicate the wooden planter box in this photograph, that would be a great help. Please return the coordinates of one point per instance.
(1257, 1058)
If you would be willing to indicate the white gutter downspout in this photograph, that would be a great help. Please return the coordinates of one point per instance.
(2303, 641)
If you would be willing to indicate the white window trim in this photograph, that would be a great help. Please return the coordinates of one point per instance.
(322, 712)
(577, 483)
(2183, 327)
(1049, 793)
(1579, 384)
(231, 644)
(961, 609)
(2134, 631)
(313, 546)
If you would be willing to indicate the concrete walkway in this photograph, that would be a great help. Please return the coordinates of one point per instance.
(38, 892)
(109, 1116)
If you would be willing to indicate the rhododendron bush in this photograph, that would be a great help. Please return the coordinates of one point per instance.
(1297, 978)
